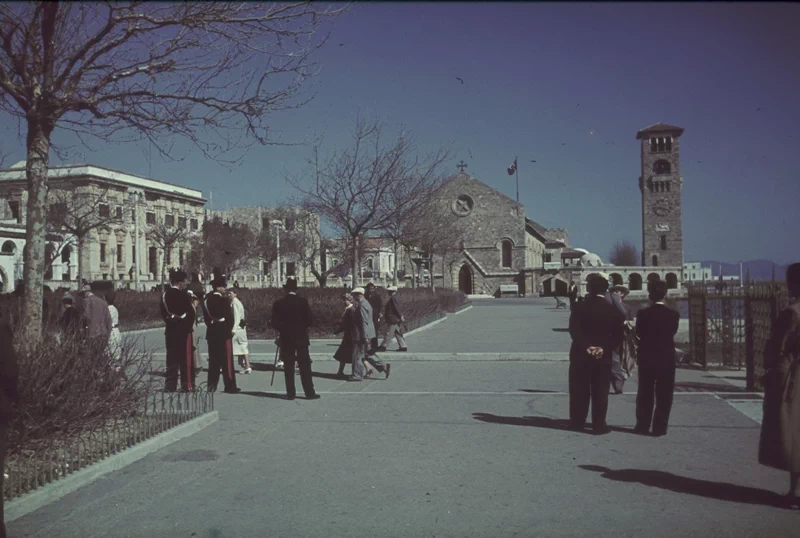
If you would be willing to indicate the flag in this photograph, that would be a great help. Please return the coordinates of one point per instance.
(512, 168)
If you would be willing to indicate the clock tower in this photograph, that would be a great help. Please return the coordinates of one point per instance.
(660, 183)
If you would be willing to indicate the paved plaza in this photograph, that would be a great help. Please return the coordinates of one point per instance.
(467, 438)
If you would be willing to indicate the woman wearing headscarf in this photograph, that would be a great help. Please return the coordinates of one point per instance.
(780, 428)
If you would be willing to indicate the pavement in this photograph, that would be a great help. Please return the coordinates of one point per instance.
(445, 447)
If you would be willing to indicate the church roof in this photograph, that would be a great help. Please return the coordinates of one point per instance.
(464, 175)
(659, 128)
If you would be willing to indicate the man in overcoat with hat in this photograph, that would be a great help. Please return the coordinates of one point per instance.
(291, 318)
(596, 328)
(178, 315)
(218, 315)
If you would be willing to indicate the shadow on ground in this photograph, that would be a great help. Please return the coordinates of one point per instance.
(540, 422)
(536, 391)
(691, 486)
(260, 394)
(560, 330)
(696, 386)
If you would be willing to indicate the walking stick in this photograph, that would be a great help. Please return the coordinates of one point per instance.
(275, 364)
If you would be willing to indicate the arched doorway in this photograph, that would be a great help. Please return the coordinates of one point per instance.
(465, 279)
(635, 282)
(554, 286)
(653, 278)
(672, 281)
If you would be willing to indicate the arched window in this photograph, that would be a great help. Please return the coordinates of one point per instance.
(672, 281)
(66, 252)
(635, 282)
(654, 260)
(506, 247)
(9, 247)
(369, 264)
(661, 167)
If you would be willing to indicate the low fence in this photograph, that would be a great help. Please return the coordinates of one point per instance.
(32, 466)
(729, 326)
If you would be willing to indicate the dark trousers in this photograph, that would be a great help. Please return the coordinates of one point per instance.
(180, 359)
(291, 353)
(220, 358)
(589, 380)
(3, 448)
(654, 381)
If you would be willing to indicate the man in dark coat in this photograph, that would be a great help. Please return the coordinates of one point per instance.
(9, 374)
(178, 315)
(71, 319)
(393, 320)
(656, 326)
(572, 294)
(596, 328)
(218, 315)
(291, 317)
(376, 303)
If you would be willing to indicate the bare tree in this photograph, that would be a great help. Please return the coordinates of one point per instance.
(436, 233)
(208, 71)
(224, 245)
(624, 253)
(350, 187)
(78, 211)
(167, 236)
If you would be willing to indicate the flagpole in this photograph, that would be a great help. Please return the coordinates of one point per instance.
(517, 171)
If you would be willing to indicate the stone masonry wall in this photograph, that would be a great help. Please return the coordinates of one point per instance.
(655, 200)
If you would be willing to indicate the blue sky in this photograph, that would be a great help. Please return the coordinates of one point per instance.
(567, 85)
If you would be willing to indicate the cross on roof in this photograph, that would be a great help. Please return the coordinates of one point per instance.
(461, 165)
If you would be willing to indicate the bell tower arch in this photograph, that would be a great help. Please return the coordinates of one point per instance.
(660, 183)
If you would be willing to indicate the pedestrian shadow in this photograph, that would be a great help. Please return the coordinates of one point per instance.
(559, 330)
(541, 422)
(275, 395)
(696, 386)
(537, 391)
(156, 373)
(732, 377)
(261, 367)
(721, 491)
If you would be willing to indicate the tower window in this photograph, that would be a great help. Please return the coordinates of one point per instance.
(663, 242)
(506, 253)
(661, 167)
(668, 184)
(669, 143)
(653, 145)
(654, 259)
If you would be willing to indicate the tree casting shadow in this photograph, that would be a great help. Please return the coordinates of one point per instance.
(692, 486)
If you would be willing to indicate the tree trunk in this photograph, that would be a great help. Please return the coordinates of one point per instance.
(430, 271)
(33, 255)
(81, 251)
(394, 276)
(163, 267)
(356, 282)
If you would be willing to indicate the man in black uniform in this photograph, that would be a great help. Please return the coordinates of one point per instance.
(656, 326)
(178, 315)
(218, 315)
(291, 317)
(596, 328)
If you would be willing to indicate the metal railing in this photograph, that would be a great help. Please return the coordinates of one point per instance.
(31, 466)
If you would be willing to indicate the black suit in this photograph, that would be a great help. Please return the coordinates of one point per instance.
(178, 315)
(218, 315)
(9, 375)
(656, 326)
(291, 317)
(593, 322)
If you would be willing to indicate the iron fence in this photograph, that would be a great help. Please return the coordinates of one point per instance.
(31, 466)
(730, 325)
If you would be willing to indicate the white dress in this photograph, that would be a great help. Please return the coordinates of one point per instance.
(115, 338)
(239, 334)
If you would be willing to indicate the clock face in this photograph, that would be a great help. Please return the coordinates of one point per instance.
(662, 208)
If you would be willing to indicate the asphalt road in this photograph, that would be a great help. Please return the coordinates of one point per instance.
(443, 448)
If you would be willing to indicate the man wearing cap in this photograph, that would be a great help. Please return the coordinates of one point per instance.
(178, 315)
(393, 320)
(291, 317)
(218, 315)
(656, 326)
(596, 328)
(361, 349)
(97, 320)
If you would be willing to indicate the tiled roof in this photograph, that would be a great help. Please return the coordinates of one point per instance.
(659, 128)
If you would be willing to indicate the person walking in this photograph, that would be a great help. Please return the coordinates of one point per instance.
(9, 396)
(615, 296)
(115, 338)
(97, 320)
(348, 326)
(596, 330)
(572, 294)
(72, 325)
(291, 318)
(240, 346)
(366, 335)
(779, 445)
(179, 316)
(218, 315)
(393, 320)
(656, 327)
(376, 303)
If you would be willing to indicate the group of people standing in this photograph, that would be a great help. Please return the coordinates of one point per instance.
(92, 319)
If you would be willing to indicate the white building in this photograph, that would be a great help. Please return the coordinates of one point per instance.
(695, 272)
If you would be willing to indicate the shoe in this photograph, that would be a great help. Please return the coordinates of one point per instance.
(380, 348)
(641, 431)
(313, 397)
(388, 368)
(601, 430)
(354, 378)
(403, 349)
(247, 371)
(290, 397)
(237, 390)
(659, 433)
(576, 427)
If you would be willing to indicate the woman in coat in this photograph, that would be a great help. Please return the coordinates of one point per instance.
(780, 428)
(115, 338)
(348, 325)
(241, 349)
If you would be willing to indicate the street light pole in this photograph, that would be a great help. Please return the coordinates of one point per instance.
(135, 197)
(278, 225)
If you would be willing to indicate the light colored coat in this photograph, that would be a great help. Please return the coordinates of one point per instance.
(240, 344)
(98, 318)
(366, 318)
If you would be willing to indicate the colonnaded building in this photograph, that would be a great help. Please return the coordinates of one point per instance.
(125, 210)
(502, 246)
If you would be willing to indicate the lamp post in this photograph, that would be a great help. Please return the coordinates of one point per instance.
(135, 198)
(278, 224)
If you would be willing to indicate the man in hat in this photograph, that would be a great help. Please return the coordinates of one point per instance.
(97, 320)
(218, 315)
(596, 328)
(291, 317)
(361, 350)
(393, 320)
(656, 327)
(179, 316)
(376, 304)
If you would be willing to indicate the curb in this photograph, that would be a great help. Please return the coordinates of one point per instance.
(52, 492)
(457, 312)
